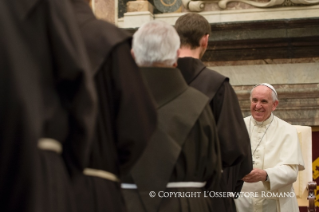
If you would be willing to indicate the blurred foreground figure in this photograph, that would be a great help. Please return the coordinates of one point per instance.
(47, 105)
(183, 155)
(276, 154)
(126, 118)
(194, 31)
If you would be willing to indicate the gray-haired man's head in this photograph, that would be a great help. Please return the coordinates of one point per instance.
(156, 43)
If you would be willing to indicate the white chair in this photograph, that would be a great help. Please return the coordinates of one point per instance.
(304, 177)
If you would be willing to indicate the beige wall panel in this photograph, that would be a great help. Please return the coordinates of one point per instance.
(105, 9)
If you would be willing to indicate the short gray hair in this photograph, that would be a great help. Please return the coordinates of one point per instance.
(274, 94)
(156, 42)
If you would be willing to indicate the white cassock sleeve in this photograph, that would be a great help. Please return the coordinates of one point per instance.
(280, 176)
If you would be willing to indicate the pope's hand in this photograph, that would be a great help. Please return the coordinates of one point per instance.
(255, 175)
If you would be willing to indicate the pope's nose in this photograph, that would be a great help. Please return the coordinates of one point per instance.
(258, 105)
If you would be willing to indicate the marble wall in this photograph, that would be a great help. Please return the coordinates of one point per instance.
(298, 73)
(298, 103)
(105, 10)
(297, 85)
(262, 62)
(283, 53)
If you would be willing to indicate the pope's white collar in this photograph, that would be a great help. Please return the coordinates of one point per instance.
(263, 123)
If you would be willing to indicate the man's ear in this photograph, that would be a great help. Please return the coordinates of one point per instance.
(132, 53)
(275, 104)
(177, 55)
(178, 52)
(204, 41)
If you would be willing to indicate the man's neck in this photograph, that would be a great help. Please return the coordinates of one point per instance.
(188, 52)
(159, 65)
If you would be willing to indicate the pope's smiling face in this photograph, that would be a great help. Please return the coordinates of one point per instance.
(262, 103)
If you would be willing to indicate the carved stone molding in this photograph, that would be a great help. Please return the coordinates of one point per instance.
(298, 103)
(237, 17)
(223, 3)
(270, 39)
(136, 19)
(139, 6)
(198, 6)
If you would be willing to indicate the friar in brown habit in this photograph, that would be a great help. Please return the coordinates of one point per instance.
(126, 118)
(47, 105)
(194, 31)
(183, 155)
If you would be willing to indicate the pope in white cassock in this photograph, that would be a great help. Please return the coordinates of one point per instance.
(276, 157)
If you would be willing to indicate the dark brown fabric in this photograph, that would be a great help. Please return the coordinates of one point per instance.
(97, 194)
(127, 115)
(45, 92)
(103, 36)
(182, 151)
(232, 132)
